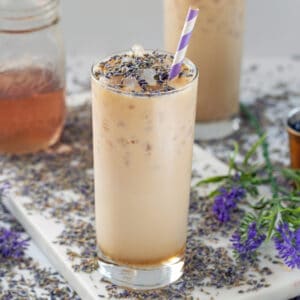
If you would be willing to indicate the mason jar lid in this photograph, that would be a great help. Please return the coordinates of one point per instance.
(27, 15)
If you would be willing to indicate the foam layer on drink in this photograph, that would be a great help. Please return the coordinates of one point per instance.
(141, 72)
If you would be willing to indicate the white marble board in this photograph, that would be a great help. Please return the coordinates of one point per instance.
(285, 283)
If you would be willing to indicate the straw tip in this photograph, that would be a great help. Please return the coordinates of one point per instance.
(192, 13)
(194, 8)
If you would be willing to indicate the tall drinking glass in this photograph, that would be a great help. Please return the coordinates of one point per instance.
(143, 137)
(216, 48)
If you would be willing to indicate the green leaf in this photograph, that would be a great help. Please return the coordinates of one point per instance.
(252, 169)
(260, 181)
(272, 224)
(214, 179)
(292, 210)
(291, 219)
(261, 204)
(233, 157)
(262, 218)
(214, 193)
(253, 149)
(292, 175)
(291, 198)
(295, 223)
(250, 188)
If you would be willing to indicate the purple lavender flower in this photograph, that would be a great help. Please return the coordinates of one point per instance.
(245, 248)
(226, 201)
(287, 243)
(11, 244)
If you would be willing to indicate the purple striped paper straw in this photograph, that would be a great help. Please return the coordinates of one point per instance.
(184, 42)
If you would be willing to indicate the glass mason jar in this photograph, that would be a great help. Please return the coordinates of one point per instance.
(32, 75)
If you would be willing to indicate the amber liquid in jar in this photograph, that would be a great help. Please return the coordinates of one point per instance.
(32, 110)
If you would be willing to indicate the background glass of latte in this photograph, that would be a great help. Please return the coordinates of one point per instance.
(216, 48)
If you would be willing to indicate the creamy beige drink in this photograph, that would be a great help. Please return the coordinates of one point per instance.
(216, 48)
(143, 136)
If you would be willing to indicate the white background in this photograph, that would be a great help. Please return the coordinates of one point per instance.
(99, 27)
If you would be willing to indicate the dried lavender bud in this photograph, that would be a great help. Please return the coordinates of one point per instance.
(150, 69)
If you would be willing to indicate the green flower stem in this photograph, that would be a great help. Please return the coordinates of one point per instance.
(275, 201)
(265, 148)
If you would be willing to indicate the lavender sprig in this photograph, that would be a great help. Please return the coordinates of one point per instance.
(11, 244)
(241, 180)
(283, 205)
(275, 218)
(246, 247)
(287, 243)
(226, 201)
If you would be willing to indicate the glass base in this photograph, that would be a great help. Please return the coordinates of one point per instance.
(141, 278)
(216, 130)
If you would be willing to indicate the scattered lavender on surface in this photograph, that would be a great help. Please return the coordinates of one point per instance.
(287, 243)
(11, 244)
(246, 247)
(226, 201)
(4, 186)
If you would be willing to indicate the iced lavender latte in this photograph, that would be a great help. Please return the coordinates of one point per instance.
(216, 48)
(143, 127)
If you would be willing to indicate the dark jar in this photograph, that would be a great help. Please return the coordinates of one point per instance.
(293, 128)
